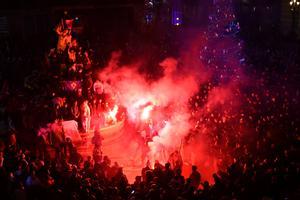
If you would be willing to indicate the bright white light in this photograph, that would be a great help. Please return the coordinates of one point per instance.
(146, 112)
(112, 114)
(177, 18)
(294, 3)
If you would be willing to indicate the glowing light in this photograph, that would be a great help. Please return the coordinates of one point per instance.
(176, 17)
(294, 4)
(146, 112)
(112, 114)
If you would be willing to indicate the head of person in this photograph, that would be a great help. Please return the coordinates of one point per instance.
(194, 168)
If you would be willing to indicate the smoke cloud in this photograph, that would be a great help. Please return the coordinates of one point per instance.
(172, 94)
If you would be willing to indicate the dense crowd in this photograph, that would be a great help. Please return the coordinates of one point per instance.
(265, 169)
(273, 174)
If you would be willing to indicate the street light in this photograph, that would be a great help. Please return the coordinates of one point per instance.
(295, 5)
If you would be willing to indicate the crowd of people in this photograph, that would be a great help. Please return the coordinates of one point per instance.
(265, 169)
(267, 173)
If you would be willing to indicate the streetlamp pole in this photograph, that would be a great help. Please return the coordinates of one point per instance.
(294, 5)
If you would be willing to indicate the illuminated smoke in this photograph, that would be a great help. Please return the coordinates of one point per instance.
(168, 98)
(169, 95)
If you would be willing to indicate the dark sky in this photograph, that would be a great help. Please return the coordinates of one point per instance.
(23, 4)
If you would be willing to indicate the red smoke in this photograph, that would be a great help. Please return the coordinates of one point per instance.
(168, 99)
